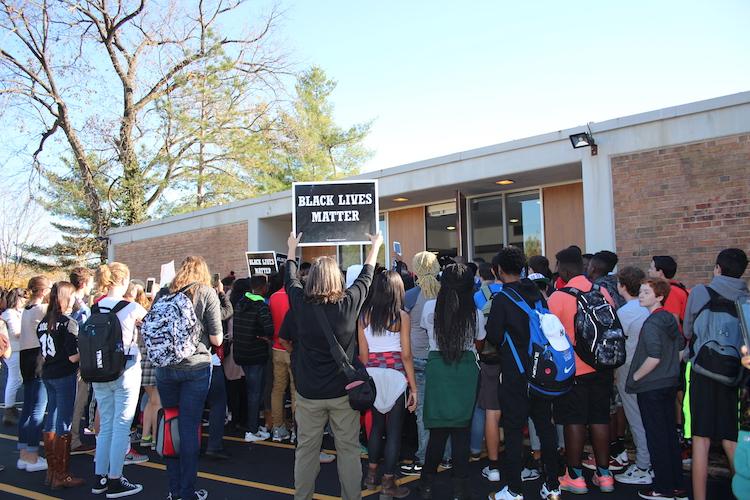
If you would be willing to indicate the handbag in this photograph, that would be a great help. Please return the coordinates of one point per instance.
(360, 387)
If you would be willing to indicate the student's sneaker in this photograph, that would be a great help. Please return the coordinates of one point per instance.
(21, 464)
(548, 494)
(133, 457)
(680, 495)
(491, 474)
(82, 448)
(258, 436)
(529, 474)
(412, 469)
(577, 485)
(201, 494)
(293, 437)
(616, 463)
(88, 432)
(263, 429)
(118, 488)
(135, 437)
(326, 458)
(605, 483)
(147, 442)
(650, 494)
(280, 434)
(446, 463)
(100, 484)
(504, 494)
(475, 457)
(39, 465)
(634, 475)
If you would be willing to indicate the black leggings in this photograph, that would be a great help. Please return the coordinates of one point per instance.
(460, 437)
(388, 425)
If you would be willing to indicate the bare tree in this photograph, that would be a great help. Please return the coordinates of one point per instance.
(19, 229)
(95, 70)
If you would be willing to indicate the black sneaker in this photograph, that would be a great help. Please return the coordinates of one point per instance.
(118, 488)
(412, 469)
(100, 484)
(446, 464)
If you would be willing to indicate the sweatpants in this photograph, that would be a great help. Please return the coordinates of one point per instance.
(633, 415)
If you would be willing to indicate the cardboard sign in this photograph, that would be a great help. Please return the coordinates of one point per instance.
(167, 273)
(335, 212)
(280, 260)
(261, 263)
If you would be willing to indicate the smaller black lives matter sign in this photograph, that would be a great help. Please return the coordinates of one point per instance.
(261, 263)
(335, 212)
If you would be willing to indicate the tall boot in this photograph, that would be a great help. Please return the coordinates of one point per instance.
(62, 477)
(49, 451)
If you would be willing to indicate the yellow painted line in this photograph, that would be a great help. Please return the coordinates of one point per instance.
(25, 493)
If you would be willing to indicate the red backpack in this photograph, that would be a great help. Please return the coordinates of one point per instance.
(168, 433)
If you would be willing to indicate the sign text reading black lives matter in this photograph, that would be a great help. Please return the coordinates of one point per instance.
(335, 212)
(261, 263)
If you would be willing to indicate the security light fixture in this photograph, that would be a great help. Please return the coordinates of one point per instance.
(504, 182)
(584, 140)
(400, 199)
(450, 228)
(513, 221)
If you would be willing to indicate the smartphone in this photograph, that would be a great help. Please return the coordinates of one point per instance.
(743, 312)
(397, 247)
(215, 280)
(150, 285)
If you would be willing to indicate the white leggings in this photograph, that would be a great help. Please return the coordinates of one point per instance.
(14, 379)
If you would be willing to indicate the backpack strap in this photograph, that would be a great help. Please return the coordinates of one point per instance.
(486, 292)
(513, 351)
(122, 304)
(518, 300)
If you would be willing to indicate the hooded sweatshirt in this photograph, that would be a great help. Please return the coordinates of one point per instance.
(729, 288)
(660, 338)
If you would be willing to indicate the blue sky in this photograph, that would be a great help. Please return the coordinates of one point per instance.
(439, 77)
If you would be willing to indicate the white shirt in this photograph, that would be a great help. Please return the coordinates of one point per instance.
(428, 323)
(386, 341)
(127, 316)
(30, 319)
(12, 318)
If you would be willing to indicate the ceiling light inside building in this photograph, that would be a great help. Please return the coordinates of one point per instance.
(504, 182)
(400, 199)
(513, 221)
(450, 228)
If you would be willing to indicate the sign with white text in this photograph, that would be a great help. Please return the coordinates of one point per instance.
(335, 212)
(261, 263)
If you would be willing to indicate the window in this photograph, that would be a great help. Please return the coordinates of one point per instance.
(487, 226)
(441, 221)
(523, 218)
(356, 254)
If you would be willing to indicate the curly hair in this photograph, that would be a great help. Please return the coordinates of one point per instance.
(455, 312)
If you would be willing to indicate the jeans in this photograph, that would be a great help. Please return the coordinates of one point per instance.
(477, 429)
(254, 379)
(217, 407)
(14, 381)
(186, 390)
(388, 425)
(61, 393)
(423, 435)
(658, 415)
(32, 415)
(116, 402)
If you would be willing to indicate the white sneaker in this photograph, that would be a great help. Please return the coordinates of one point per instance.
(251, 438)
(326, 458)
(280, 434)
(491, 474)
(41, 464)
(263, 429)
(548, 494)
(21, 464)
(504, 494)
(201, 494)
(634, 475)
(529, 474)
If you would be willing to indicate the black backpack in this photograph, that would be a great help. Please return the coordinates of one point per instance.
(100, 345)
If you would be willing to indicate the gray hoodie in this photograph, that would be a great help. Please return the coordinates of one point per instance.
(729, 288)
(660, 338)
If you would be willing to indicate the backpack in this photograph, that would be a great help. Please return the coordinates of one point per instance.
(489, 353)
(100, 345)
(716, 341)
(170, 330)
(552, 364)
(168, 432)
(599, 338)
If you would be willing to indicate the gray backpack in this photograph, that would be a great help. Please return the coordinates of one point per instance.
(716, 340)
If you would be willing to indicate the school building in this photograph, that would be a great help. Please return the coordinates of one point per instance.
(673, 181)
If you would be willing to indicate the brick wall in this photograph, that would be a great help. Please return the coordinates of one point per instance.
(688, 201)
(223, 247)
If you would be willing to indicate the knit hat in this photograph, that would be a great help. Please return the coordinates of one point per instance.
(426, 268)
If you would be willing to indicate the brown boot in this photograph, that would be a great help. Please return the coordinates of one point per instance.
(62, 477)
(371, 480)
(49, 451)
(391, 489)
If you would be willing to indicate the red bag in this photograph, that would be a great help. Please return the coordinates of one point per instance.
(168, 433)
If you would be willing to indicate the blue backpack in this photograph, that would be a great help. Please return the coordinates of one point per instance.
(552, 365)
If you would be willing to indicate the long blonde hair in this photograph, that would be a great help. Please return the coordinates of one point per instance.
(192, 270)
(324, 283)
(37, 286)
(110, 275)
(426, 268)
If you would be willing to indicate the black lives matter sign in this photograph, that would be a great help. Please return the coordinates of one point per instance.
(335, 212)
(261, 263)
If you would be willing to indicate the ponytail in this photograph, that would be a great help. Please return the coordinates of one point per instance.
(110, 275)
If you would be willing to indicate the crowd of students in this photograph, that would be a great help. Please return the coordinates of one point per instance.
(445, 341)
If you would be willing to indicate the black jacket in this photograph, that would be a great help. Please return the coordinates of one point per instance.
(316, 374)
(252, 331)
(506, 316)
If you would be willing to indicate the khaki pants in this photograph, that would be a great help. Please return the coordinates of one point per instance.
(282, 376)
(82, 398)
(312, 415)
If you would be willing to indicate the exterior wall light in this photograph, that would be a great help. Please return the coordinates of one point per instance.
(583, 140)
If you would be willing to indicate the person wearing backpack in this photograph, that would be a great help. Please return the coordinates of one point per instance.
(252, 331)
(712, 329)
(654, 377)
(587, 404)
(516, 401)
(183, 362)
(116, 399)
